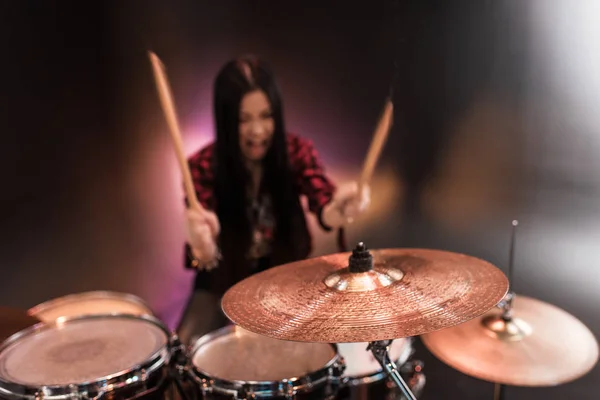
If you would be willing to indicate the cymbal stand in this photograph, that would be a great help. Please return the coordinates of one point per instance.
(504, 326)
(506, 303)
(499, 391)
(380, 350)
(507, 330)
(361, 261)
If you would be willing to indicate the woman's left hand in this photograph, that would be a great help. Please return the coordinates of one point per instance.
(347, 204)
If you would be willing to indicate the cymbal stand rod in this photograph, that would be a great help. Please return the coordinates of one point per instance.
(511, 254)
(506, 303)
(498, 391)
(381, 354)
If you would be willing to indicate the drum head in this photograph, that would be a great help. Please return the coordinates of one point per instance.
(79, 351)
(360, 362)
(235, 354)
(90, 303)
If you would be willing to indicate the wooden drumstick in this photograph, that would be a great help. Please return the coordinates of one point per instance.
(166, 99)
(379, 137)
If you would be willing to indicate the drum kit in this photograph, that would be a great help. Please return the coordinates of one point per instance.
(335, 327)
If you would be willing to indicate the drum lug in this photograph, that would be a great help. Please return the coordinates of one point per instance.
(412, 367)
(178, 354)
(205, 387)
(414, 376)
(307, 381)
(176, 345)
(247, 393)
(141, 375)
(288, 390)
(337, 369)
(336, 373)
(89, 395)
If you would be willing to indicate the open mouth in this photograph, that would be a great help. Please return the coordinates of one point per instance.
(257, 144)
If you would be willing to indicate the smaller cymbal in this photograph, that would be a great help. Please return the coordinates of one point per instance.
(13, 320)
(542, 345)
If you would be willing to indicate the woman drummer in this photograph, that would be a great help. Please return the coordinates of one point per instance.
(249, 181)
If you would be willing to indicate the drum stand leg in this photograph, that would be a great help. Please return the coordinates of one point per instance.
(179, 386)
(381, 354)
(178, 367)
(498, 391)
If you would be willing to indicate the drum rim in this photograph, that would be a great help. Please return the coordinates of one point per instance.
(359, 380)
(38, 309)
(261, 388)
(140, 373)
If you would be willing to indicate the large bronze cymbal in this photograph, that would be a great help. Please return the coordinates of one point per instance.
(407, 292)
(13, 320)
(542, 346)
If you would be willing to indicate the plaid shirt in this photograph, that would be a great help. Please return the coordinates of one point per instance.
(307, 170)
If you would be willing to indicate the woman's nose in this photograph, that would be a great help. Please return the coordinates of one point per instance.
(257, 128)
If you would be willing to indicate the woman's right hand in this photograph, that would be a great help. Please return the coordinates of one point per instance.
(202, 230)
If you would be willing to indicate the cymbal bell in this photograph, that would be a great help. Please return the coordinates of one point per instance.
(541, 345)
(365, 296)
(13, 320)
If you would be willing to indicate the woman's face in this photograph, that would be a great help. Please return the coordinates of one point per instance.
(256, 125)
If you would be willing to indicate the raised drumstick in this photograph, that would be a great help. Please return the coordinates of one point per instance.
(166, 99)
(381, 133)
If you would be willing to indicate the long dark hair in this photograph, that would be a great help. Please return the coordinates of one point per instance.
(291, 239)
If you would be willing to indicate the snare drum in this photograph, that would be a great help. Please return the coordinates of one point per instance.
(364, 378)
(90, 303)
(232, 363)
(113, 356)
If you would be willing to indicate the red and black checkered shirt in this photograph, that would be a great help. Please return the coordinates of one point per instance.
(307, 170)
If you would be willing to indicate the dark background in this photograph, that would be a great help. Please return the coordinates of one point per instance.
(495, 119)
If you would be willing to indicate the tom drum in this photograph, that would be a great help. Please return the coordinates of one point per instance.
(90, 303)
(109, 357)
(234, 363)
